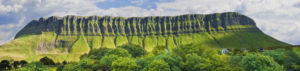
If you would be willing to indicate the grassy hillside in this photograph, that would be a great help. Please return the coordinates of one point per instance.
(66, 38)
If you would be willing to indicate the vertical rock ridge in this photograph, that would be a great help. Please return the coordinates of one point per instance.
(137, 26)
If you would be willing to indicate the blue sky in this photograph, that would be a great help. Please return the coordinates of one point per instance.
(277, 18)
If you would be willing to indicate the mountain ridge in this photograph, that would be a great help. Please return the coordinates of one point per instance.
(107, 25)
(66, 38)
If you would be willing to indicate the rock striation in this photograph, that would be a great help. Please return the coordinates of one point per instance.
(140, 26)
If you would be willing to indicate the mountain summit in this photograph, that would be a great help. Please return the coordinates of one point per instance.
(140, 26)
(66, 38)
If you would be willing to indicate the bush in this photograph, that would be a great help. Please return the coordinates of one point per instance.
(158, 65)
(158, 50)
(287, 57)
(106, 61)
(72, 67)
(134, 50)
(16, 64)
(125, 64)
(64, 62)
(34, 66)
(119, 52)
(98, 53)
(5, 64)
(174, 61)
(23, 63)
(47, 61)
(142, 63)
(258, 62)
(195, 62)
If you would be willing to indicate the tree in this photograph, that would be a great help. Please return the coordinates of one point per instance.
(85, 63)
(23, 63)
(125, 64)
(158, 50)
(82, 65)
(141, 63)
(210, 58)
(47, 61)
(235, 63)
(16, 64)
(279, 55)
(238, 51)
(194, 62)
(200, 50)
(289, 58)
(258, 62)
(118, 52)
(105, 62)
(253, 50)
(64, 62)
(72, 67)
(98, 53)
(134, 50)
(60, 68)
(5, 64)
(34, 66)
(174, 61)
(158, 65)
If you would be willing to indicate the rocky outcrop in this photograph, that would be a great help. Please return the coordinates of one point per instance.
(140, 26)
(66, 38)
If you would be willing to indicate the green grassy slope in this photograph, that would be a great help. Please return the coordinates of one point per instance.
(66, 38)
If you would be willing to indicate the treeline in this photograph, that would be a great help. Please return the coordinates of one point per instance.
(186, 58)
(7, 65)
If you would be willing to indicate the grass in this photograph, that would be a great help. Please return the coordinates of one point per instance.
(70, 48)
(33, 43)
(80, 46)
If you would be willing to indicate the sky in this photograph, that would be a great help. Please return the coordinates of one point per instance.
(277, 18)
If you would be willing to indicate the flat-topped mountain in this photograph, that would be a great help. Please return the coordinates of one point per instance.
(66, 38)
(139, 26)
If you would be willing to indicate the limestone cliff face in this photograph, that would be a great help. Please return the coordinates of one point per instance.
(66, 38)
(140, 26)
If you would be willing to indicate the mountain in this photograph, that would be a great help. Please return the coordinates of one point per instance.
(66, 38)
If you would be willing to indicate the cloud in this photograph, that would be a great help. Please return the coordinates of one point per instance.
(278, 18)
(10, 6)
(7, 31)
(15, 14)
(201, 6)
(275, 17)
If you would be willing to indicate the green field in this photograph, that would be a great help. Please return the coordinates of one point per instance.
(30, 47)
(67, 38)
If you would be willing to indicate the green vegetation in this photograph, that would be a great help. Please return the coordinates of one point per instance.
(258, 62)
(167, 43)
(78, 35)
(34, 66)
(288, 57)
(191, 57)
(5, 64)
(158, 65)
(69, 48)
(125, 64)
(134, 50)
(47, 61)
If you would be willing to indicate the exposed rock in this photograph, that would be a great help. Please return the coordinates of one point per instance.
(139, 26)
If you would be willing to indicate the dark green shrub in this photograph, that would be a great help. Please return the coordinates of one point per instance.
(134, 50)
(47, 61)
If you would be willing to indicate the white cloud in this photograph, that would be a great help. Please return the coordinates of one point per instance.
(275, 17)
(7, 33)
(10, 6)
(140, 2)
